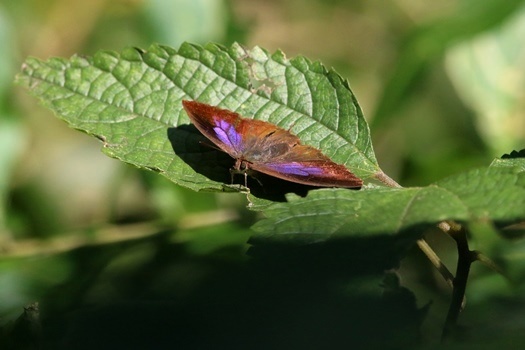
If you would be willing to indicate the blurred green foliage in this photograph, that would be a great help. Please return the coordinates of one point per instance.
(99, 243)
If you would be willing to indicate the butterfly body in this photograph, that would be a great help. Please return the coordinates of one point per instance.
(263, 147)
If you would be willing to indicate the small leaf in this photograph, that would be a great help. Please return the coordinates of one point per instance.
(132, 101)
(514, 159)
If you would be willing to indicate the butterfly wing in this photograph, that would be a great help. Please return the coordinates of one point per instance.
(277, 152)
(218, 125)
(307, 165)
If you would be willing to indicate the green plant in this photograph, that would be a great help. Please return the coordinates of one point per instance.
(336, 243)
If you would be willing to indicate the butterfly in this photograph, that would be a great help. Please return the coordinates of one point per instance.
(263, 147)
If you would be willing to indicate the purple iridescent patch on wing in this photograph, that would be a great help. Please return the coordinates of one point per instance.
(296, 169)
(227, 133)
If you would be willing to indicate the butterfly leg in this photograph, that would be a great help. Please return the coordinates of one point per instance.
(234, 171)
(232, 174)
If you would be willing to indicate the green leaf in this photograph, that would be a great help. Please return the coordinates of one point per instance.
(475, 68)
(493, 194)
(132, 101)
(429, 42)
(514, 159)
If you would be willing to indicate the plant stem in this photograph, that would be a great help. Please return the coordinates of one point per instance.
(421, 243)
(387, 180)
(465, 259)
(436, 261)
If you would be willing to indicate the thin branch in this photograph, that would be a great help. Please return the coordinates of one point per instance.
(465, 259)
(109, 234)
(436, 261)
(485, 260)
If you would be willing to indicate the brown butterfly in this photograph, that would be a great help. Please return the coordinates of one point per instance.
(263, 147)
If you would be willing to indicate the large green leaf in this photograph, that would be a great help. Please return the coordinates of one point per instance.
(495, 194)
(132, 101)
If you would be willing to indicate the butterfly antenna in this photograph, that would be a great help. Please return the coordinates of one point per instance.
(209, 145)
